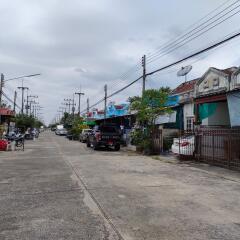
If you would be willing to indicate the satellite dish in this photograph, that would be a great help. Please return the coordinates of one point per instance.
(184, 71)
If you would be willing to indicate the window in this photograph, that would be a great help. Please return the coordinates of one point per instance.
(215, 82)
(190, 123)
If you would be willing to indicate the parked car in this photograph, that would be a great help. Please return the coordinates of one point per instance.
(61, 132)
(29, 135)
(184, 145)
(35, 132)
(69, 135)
(84, 134)
(107, 135)
(57, 131)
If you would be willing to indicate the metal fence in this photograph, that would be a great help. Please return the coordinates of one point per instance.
(219, 147)
(157, 141)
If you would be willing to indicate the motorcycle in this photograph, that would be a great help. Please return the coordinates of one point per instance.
(18, 138)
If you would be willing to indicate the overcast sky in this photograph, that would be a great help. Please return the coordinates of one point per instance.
(85, 43)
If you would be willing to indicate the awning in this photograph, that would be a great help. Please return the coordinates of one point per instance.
(206, 110)
(90, 123)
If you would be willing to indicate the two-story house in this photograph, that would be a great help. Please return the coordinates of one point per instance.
(211, 97)
(233, 99)
(185, 93)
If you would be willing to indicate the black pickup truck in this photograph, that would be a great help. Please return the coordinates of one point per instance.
(106, 135)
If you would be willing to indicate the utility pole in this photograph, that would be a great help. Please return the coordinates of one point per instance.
(79, 101)
(23, 89)
(31, 102)
(105, 101)
(68, 103)
(73, 106)
(65, 108)
(28, 107)
(15, 99)
(87, 105)
(33, 110)
(1, 87)
(144, 74)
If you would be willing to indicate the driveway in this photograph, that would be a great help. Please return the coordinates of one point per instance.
(58, 189)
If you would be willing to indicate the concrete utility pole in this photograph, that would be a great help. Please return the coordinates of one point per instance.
(29, 103)
(1, 87)
(15, 100)
(68, 103)
(79, 101)
(144, 74)
(87, 105)
(105, 101)
(65, 108)
(23, 89)
(73, 106)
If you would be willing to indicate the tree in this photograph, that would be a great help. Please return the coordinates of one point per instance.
(23, 122)
(148, 108)
(134, 99)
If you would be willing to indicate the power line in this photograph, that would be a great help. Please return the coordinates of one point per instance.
(171, 65)
(185, 38)
(10, 100)
(196, 54)
(191, 26)
(185, 35)
(194, 37)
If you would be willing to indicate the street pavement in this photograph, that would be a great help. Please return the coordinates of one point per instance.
(60, 189)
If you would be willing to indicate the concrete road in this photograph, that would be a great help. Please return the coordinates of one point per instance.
(58, 189)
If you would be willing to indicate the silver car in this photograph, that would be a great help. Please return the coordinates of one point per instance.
(84, 134)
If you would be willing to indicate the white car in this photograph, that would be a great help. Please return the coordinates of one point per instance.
(84, 134)
(184, 145)
(61, 132)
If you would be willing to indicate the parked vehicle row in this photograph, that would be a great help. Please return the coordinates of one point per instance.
(109, 136)
(106, 135)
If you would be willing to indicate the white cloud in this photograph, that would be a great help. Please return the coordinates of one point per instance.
(91, 43)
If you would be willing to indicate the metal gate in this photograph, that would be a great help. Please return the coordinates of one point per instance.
(219, 147)
(157, 141)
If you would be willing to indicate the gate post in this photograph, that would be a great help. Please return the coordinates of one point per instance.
(213, 152)
(229, 150)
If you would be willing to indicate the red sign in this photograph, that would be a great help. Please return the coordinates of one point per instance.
(6, 112)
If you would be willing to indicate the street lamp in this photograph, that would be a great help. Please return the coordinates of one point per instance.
(2, 81)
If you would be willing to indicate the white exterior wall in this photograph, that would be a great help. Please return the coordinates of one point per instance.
(212, 82)
(188, 111)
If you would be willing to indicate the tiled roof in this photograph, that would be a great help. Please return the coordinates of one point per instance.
(189, 85)
(185, 87)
